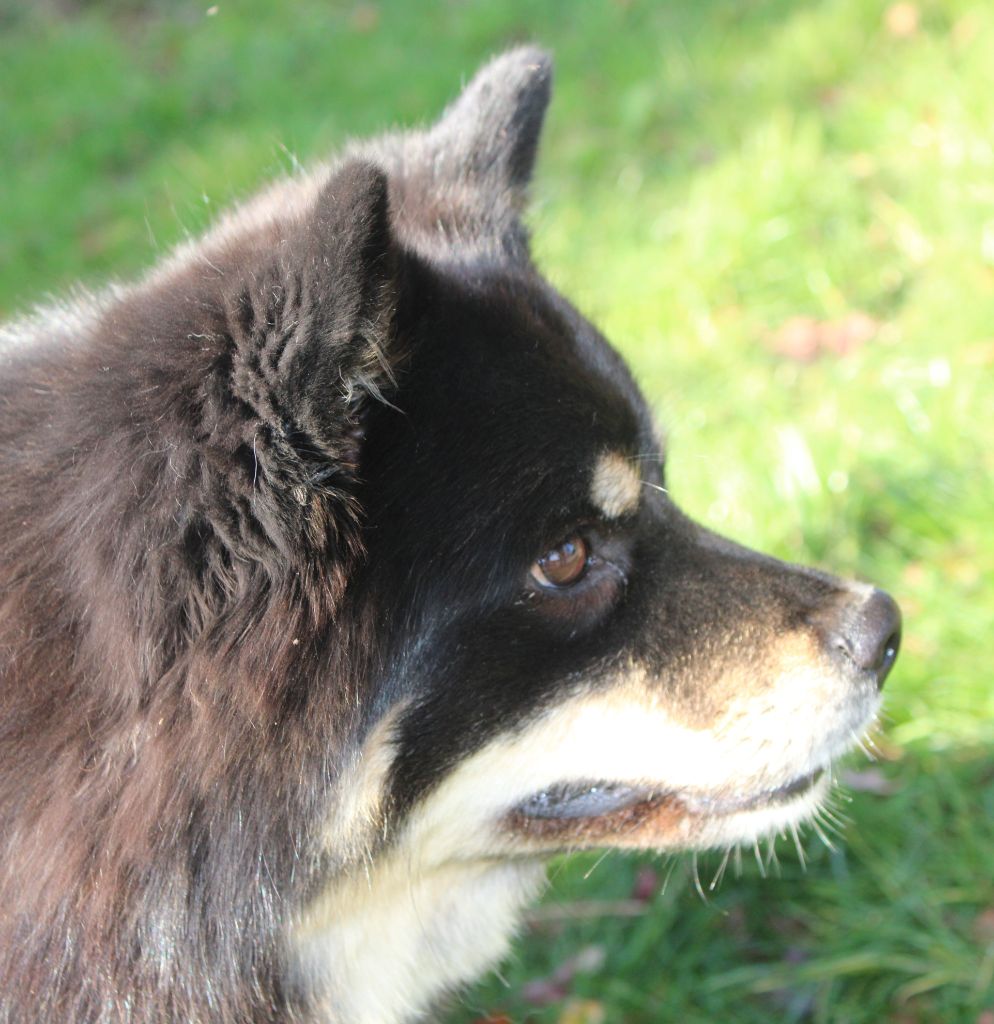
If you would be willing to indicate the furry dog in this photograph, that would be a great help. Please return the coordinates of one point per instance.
(339, 589)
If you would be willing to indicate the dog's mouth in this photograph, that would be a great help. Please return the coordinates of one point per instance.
(596, 811)
(582, 800)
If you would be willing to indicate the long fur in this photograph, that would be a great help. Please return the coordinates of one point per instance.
(287, 724)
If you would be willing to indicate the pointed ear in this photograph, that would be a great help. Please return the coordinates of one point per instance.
(489, 136)
(348, 281)
(312, 321)
(465, 181)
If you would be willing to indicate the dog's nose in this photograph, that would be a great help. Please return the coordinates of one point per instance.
(868, 633)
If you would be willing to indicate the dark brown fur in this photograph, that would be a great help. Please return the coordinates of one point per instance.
(170, 571)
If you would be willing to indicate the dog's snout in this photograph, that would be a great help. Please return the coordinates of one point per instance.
(868, 633)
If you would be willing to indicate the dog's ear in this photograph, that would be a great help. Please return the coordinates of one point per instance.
(311, 322)
(465, 181)
(310, 318)
(488, 138)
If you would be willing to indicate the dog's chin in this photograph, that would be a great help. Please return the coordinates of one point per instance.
(606, 814)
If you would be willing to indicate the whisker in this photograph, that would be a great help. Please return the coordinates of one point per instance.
(837, 797)
(834, 827)
(669, 875)
(697, 879)
(655, 487)
(836, 817)
(720, 873)
(839, 821)
(759, 857)
(771, 855)
(798, 846)
(597, 863)
(820, 832)
(861, 743)
(870, 739)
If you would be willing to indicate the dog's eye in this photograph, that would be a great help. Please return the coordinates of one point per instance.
(564, 565)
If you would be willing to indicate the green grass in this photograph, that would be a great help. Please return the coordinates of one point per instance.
(710, 172)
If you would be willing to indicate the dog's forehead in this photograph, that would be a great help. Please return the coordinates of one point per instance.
(516, 362)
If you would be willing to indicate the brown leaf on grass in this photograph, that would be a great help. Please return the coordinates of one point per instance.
(804, 339)
(542, 991)
(851, 332)
(830, 97)
(365, 18)
(983, 927)
(901, 20)
(987, 1017)
(797, 339)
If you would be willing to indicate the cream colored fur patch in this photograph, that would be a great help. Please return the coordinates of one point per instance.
(615, 486)
(384, 943)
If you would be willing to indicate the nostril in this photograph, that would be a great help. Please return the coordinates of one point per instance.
(891, 647)
(871, 634)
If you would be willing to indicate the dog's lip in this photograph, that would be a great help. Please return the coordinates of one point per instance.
(582, 800)
(585, 800)
(732, 803)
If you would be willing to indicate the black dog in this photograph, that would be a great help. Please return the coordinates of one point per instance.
(339, 589)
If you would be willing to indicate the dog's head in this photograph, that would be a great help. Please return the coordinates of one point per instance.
(436, 441)
(342, 581)
(563, 659)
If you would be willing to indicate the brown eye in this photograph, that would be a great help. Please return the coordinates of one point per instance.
(563, 565)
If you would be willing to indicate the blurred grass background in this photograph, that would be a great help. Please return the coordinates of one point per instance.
(783, 213)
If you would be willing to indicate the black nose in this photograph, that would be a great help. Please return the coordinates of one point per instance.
(868, 633)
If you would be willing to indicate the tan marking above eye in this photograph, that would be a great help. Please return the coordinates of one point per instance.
(615, 486)
(563, 565)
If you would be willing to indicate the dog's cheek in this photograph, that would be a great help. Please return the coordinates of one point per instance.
(393, 901)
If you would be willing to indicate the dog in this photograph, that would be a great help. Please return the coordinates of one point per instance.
(340, 588)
